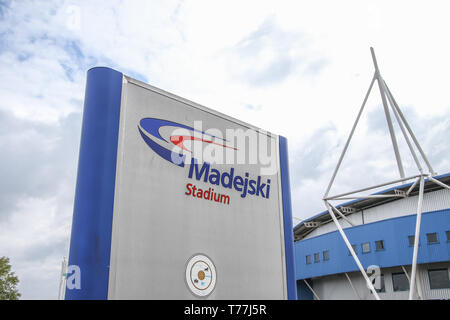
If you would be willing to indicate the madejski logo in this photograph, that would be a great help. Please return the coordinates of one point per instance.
(150, 127)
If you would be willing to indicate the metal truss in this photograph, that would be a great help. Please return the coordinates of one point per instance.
(388, 100)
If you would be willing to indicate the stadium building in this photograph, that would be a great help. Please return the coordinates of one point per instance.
(390, 244)
(381, 232)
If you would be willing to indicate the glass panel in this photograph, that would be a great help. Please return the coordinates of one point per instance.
(379, 245)
(439, 279)
(432, 238)
(366, 247)
(316, 257)
(400, 282)
(308, 259)
(325, 255)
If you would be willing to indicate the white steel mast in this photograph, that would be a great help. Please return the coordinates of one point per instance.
(387, 100)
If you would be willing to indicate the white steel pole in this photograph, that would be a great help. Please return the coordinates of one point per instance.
(350, 248)
(411, 149)
(388, 116)
(412, 134)
(373, 187)
(419, 294)
(439, 183)
(416, 239)
(353, 287)
(371, 196)
(342, 215)
(61, 278)
(412, 187)
(349, 138)
(419, 284)
(64, 279)
(314, 293)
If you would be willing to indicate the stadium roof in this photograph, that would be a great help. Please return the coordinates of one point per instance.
(301, 230)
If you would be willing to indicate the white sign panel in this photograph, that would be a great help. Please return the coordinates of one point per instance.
(177, 201)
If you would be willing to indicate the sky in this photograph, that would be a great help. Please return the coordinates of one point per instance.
(300, 69)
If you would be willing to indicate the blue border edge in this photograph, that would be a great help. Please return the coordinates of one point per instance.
(287, 220)
(90, 243)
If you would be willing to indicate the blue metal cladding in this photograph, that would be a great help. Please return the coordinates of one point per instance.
(394, 233)
(90, 243)
(287, 221)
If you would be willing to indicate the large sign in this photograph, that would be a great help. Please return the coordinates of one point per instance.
(177, 201)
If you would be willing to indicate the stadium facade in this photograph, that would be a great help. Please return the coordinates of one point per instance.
(382, 235)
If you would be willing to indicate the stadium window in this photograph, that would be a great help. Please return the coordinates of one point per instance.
(438, 279)
(411, 241)
(325, 255)
(432, 238)
(448, 235)
(366, 247)
(379, 245)
(316, 257)
(354, 249)
(400, 282)
(308, 259)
